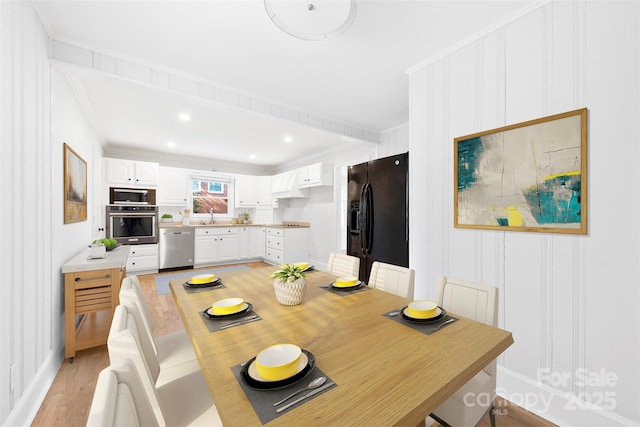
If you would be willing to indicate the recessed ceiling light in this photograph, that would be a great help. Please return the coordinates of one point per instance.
(184, 117)
(288, 139)
(252, 156)
(171, 144)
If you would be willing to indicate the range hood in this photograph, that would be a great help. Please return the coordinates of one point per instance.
(285, 186)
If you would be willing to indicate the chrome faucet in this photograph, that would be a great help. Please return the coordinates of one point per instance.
(213, 221)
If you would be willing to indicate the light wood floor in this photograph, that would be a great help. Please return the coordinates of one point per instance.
(69, 398)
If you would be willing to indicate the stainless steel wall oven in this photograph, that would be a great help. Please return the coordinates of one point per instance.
(132, 225)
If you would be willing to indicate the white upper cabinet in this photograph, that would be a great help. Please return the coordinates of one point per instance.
(246, 191)
(264, 197)
(317, 174)
(253, 191)
(173, 186)
(131, 173)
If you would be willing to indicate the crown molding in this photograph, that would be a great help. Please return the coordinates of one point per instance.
(477, 36)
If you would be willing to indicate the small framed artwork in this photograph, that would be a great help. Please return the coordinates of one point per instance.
(75, 186)
(530, 176)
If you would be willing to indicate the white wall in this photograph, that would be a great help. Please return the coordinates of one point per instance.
(570, 301)
(26, 312)
(35, 241)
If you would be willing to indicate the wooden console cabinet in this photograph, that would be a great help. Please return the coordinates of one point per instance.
(91, 292)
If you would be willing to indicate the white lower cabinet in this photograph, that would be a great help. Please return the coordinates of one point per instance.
(215, 245)
(251, 242)
(256, 242)
(228, 247)
(143, 259)
(286, 245)
(276, 245)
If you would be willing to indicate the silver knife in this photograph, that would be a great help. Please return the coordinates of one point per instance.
(240, 322)
(311, 393)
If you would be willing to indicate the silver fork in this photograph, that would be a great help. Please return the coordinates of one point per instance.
(252, 318)
(444, 323)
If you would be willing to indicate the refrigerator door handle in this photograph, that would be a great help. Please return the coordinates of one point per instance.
(363, 218)
(369, 219)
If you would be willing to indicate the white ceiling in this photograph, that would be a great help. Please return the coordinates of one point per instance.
(358, 78)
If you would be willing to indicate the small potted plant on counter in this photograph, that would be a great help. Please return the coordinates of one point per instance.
(289, 284)
(167, 217)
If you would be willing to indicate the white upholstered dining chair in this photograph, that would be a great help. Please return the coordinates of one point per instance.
(171, 349)
(343, 265)
(182, 395)
(120, 399)
(480, 303)
(392, 278)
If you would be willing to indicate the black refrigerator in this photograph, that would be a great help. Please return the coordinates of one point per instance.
(378, 218)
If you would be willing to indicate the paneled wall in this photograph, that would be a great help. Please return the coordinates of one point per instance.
(570, 301)
(25, 253)
(38, 113)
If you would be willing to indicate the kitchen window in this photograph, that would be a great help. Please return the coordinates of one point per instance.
(212, 195)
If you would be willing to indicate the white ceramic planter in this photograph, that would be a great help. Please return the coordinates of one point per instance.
(290, 293)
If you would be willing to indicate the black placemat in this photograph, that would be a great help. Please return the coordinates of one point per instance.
(347, 291)
(262, 400)
(193, 290)
(215, 325)
(424, 327)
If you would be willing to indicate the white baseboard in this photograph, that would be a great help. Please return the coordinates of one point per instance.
(553, 405)
(27, 406)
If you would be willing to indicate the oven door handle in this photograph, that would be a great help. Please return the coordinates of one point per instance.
(150, 215)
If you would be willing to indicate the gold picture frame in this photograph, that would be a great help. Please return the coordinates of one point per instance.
(530, 176)
(75, 186)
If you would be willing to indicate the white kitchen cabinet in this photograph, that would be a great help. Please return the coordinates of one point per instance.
(131, 172)
(264, 197)
(215, 245)
(253, 191)
(173, 186)
(252, 242)
(256, 242)
(244, 243)
(246, 191)
(143, 259)
(205, 250)
(315, 175)
(286, 245)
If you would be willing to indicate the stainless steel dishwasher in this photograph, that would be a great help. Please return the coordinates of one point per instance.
(176, 247)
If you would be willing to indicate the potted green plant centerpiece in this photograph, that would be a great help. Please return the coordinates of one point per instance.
(289, 284)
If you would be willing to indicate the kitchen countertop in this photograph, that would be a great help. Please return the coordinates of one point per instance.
(116, 258)
(228, 224)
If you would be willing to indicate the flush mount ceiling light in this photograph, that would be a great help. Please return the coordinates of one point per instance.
(312, 19)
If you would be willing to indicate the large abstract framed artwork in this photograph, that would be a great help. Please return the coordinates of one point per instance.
(75, 186)
(529, 176)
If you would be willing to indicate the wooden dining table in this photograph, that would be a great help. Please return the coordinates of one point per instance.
(387, 373)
